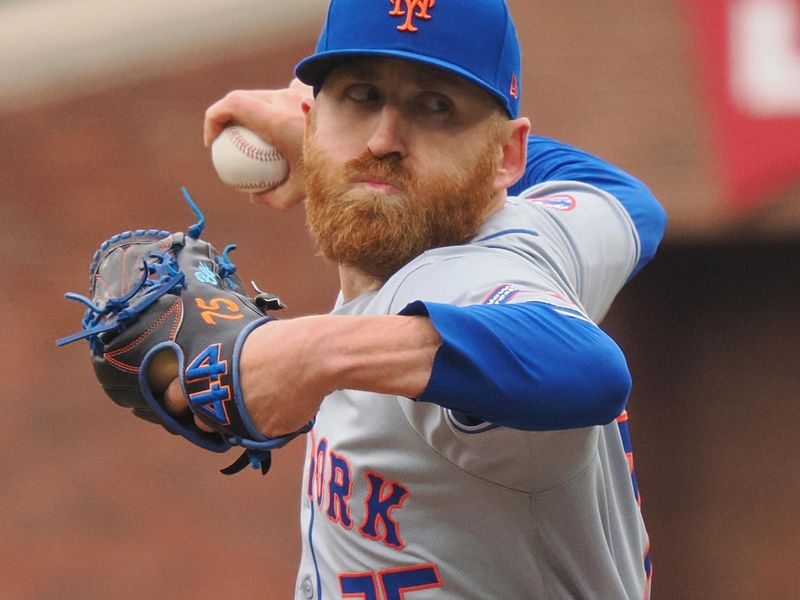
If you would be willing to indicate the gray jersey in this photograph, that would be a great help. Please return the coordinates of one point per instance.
(401, 499)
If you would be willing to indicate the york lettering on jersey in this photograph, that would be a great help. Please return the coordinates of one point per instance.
(339, 490)
(383, 498)
(331, 485)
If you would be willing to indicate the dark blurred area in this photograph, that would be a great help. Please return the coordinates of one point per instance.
(97, 504)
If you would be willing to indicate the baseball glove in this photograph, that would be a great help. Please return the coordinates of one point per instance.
(153, 294)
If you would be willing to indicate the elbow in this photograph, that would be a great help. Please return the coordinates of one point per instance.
(593, 389)
(613, 385)
(609, 384)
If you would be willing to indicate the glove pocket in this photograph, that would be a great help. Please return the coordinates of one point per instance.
(117, 360)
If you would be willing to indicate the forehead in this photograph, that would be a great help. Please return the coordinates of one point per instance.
(376, 69)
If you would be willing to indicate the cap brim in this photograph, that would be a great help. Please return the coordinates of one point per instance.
(314, 69)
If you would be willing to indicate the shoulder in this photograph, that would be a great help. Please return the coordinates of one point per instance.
(468, 274)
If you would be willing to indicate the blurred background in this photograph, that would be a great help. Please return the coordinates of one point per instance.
(101, 109)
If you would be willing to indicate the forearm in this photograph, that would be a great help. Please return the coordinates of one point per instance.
(288, 367)
(522, 366)
(386, 354)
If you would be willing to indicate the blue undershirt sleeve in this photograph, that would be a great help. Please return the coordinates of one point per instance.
(529, 366)
(549, 160)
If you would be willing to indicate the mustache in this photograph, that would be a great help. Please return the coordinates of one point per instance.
(389, 168)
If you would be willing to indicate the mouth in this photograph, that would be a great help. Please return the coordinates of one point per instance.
(376, 183)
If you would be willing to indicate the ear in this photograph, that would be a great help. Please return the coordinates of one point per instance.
(514, 139)
(307, 106)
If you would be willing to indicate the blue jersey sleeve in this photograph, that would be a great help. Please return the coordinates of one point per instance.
(549, 160)
(526, 366)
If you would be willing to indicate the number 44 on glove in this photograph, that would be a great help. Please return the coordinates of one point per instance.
(158, 298)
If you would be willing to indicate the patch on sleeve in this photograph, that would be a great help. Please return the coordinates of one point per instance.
(509, 293)
(563, 202)
(501, 294)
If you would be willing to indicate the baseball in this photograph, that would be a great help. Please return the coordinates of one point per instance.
(247, 162)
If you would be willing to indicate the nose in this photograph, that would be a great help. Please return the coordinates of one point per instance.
(387, 136)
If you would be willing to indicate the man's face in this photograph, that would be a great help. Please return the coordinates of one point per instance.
(400, 158)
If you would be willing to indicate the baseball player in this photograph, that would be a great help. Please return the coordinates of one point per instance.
(471, 438)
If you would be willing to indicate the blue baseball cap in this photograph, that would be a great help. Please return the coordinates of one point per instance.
(474, 39)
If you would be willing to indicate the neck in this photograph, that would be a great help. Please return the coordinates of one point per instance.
(499, 201)
(354, 283)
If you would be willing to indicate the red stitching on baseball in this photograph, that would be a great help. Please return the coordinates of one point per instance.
(246, 148)
(256, 186)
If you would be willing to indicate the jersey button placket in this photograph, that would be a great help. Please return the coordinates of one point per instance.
(307, 588)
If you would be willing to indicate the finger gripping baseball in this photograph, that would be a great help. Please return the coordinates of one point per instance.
(155, 294)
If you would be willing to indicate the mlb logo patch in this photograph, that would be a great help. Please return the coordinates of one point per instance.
(563, 202)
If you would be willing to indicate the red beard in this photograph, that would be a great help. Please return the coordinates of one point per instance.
(379, 232)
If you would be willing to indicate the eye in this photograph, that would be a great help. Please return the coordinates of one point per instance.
(362, 92)
(436, 104)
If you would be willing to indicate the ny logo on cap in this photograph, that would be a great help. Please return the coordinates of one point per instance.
(421, 6)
